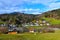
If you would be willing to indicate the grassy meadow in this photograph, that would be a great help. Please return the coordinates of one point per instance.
(32, 36)
(53, 21)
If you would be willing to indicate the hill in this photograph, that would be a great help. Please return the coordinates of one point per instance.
(16, 18)
(51, 14)
(20, 18)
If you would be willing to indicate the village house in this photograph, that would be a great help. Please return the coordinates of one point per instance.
(32, 30)
(41, 24)
(47, 24)
(30, 24)
(20, 30)
(3, 24)
(12, 29)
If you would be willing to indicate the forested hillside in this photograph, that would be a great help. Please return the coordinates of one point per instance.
(51, 14)
(20, 18)
(16, 18)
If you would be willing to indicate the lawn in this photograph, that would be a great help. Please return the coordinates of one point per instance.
(32, 36)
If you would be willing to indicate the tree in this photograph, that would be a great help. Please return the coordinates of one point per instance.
(3, 29)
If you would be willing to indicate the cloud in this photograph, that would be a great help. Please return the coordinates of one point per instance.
(19, 10)
(25, 5)
(36, 13)
(21, 2)
(42, 1)
(50, 4)
(45, 2)
(54, 5)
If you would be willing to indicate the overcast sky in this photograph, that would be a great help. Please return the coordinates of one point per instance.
(28, 6)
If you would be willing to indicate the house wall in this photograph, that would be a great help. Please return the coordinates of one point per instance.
(12, 32)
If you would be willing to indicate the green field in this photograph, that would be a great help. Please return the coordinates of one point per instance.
(52, 21)
(31, 36)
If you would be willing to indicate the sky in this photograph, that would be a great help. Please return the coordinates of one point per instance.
(28, 6)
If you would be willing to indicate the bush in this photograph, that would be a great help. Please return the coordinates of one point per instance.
(46, 30)
(3, 29)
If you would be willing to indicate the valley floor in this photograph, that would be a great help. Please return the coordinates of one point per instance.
(32, 36)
